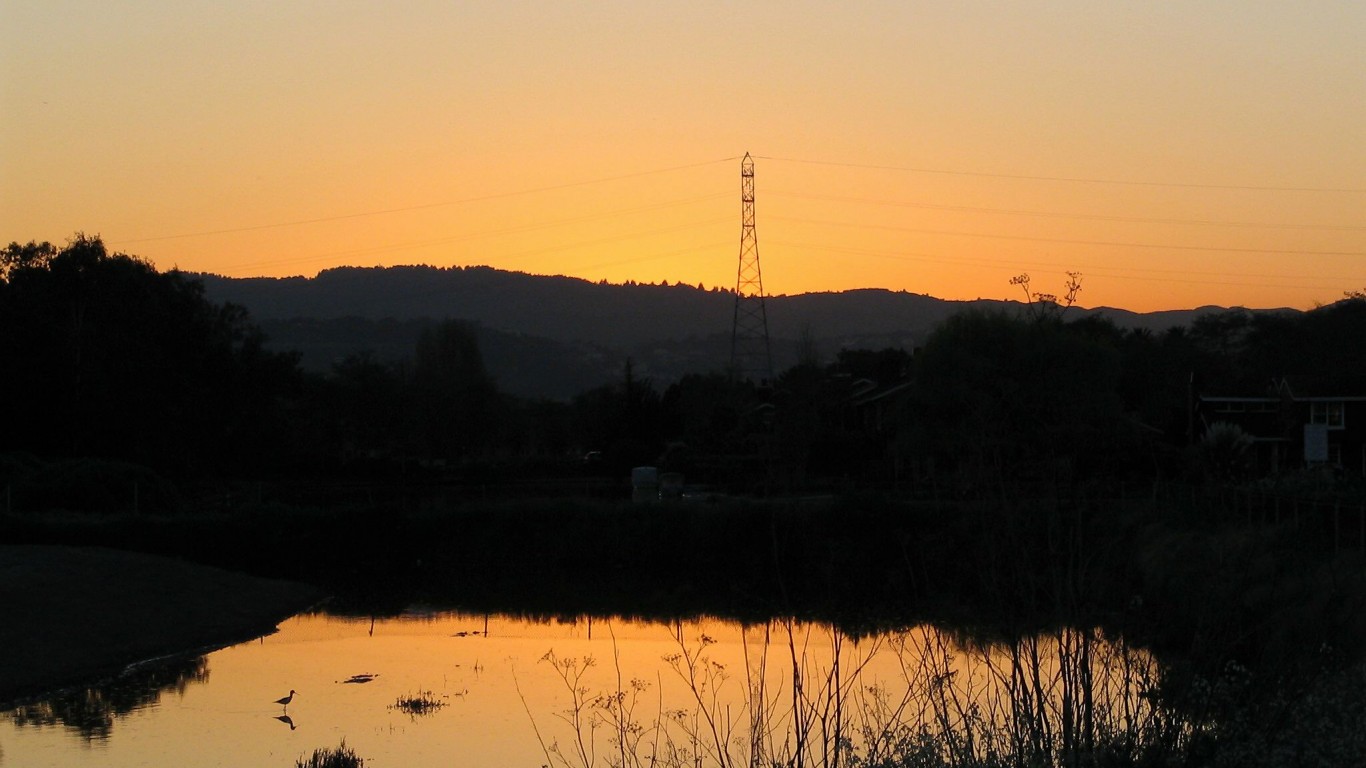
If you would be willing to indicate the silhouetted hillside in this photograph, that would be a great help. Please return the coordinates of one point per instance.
(553, 336)
(523, 365)
(560, 308)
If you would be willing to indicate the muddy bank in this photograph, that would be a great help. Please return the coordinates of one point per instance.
(73, 614)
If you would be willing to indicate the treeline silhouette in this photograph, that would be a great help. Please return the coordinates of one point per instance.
(117, 371)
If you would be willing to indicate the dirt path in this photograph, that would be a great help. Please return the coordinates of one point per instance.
(69, 614)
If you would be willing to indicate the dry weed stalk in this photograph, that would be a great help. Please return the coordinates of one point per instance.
(1058, 699)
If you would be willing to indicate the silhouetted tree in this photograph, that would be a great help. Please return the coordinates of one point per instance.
(1246, 352)
(456, 407)
(30, 256)
(105, 356)
(1323, 349)
(702, 410)
(1003, 397)
(884, 366)
(366, 402)
(540, 429)
(1155, 376)
(624, 420)
(715, 427)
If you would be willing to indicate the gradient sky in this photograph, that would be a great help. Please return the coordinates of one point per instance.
(1176, 154)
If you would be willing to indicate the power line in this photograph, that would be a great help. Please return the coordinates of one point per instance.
(1092, 271)
(1147, 275)
(930, 206)
(1080, 216)
(616, 238)
(504, 257)
(1069, 241)
(411, 245)
(424, 206)
(1071, 179)
(656, 256)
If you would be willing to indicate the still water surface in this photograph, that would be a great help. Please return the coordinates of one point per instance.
(516, 692)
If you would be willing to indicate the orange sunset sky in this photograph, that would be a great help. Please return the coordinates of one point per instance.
(1176, 154)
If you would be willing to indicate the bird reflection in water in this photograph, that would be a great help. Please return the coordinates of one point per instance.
(287, 720)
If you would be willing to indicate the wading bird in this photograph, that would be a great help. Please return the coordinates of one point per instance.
(285, 701)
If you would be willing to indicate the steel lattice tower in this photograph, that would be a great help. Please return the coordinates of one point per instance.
(749, 351)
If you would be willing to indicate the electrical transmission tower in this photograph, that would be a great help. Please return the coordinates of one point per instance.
(749, 352)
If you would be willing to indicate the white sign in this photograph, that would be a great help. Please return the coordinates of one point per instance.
(1315, 443)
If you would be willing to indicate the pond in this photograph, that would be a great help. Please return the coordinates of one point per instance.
(432, 688)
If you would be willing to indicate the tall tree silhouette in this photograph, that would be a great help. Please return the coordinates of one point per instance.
(624, 420)
(455, 403)
(1004, 396)
(366, 401)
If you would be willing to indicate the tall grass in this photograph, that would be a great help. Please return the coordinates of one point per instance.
(1071, 698)
(1062, 699)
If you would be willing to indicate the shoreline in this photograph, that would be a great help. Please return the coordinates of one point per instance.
(77, 615)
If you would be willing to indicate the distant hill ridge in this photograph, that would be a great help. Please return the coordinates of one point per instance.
(569, 308)
(667, 330)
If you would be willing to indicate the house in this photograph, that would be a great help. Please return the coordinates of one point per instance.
(1292, 430)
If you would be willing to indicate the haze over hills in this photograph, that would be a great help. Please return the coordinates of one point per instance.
(554, 336)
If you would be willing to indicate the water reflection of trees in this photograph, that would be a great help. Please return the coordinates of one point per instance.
(92, 710)
(1062, 698)
(1071, 697)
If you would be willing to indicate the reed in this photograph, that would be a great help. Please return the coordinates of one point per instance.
(418, 704)
(340, 756)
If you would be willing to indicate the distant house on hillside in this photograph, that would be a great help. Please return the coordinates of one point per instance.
(860, 435)
(876, 408)
(1291, 430)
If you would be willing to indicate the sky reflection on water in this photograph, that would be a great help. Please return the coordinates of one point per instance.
(508, 691)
